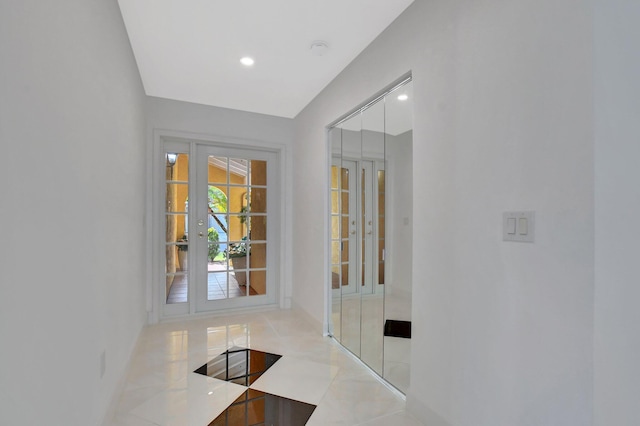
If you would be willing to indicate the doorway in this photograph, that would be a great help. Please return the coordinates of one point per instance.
(221, 227)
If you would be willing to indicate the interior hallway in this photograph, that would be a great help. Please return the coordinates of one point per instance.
(162, 389)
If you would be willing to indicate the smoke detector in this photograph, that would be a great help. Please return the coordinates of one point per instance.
(319, 48)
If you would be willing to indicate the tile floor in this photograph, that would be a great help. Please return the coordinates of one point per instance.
(162, 388)
(221, 284)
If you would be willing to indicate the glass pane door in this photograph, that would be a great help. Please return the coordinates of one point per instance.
(236, 228)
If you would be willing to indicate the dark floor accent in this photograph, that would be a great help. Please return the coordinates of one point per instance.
(259, 408)
(239, 365)
(395, 328)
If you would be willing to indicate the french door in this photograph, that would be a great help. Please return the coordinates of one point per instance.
(221, 228)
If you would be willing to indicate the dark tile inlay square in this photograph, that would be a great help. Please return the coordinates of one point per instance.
(259, 408)
(239, 365)
(395, 328)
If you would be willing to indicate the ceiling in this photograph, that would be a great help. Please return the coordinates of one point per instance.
(190, 50)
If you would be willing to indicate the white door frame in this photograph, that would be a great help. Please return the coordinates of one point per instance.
(155, 299)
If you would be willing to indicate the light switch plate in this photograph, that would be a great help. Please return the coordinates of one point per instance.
(525, 226)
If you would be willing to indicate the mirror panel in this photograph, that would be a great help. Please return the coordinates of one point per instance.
(335, 140)
(351, 307)
(372, 292)
(399, 234)
(371, 234)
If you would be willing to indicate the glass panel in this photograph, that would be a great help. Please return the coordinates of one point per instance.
(335, 203)
(258, 227)
(217, 170)
(177, 288)
(345, 179)
(177, 195)
(258, 172)
(334, 177)
(345, 202)
(351, 138)
(345, 226)
(345, 274)
(176, 252)
(238, 170)
(258, 200)
(213, 249)
(176, 225)
(258, 258)
(216, 285)
(345, 251)
(238, 263)
(381, 226)
(217, 199)
(218, 222)
(399, 153)
(373, 137)
(238, 199)
(257, 282)
(363, 225)
(335, 252)
(335, 227)
(338, 231)
(237, 227)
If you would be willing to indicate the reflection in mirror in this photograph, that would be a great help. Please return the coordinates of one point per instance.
(371, 163)
(335, 141)
(349, 266)
(370, 234)
(399, 235)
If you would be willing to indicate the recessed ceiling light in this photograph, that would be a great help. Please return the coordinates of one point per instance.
(247, 61)
(403, 97)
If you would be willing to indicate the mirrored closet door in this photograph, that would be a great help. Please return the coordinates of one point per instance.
(370, 236)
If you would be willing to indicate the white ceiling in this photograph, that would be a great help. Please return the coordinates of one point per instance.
(190, 50)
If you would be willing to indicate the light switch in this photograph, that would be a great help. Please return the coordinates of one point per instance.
(518, 226)
(523, 226)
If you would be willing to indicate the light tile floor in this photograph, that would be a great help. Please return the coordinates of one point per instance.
(161, 388)
(361, 329)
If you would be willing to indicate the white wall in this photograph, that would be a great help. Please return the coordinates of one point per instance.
(617, 207)
(180, 116)
(503, 332)
(231, 126)
(72, 208)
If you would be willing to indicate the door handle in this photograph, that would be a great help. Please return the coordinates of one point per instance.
(200, 234)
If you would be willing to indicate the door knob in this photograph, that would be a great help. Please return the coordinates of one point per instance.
(200, 234)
